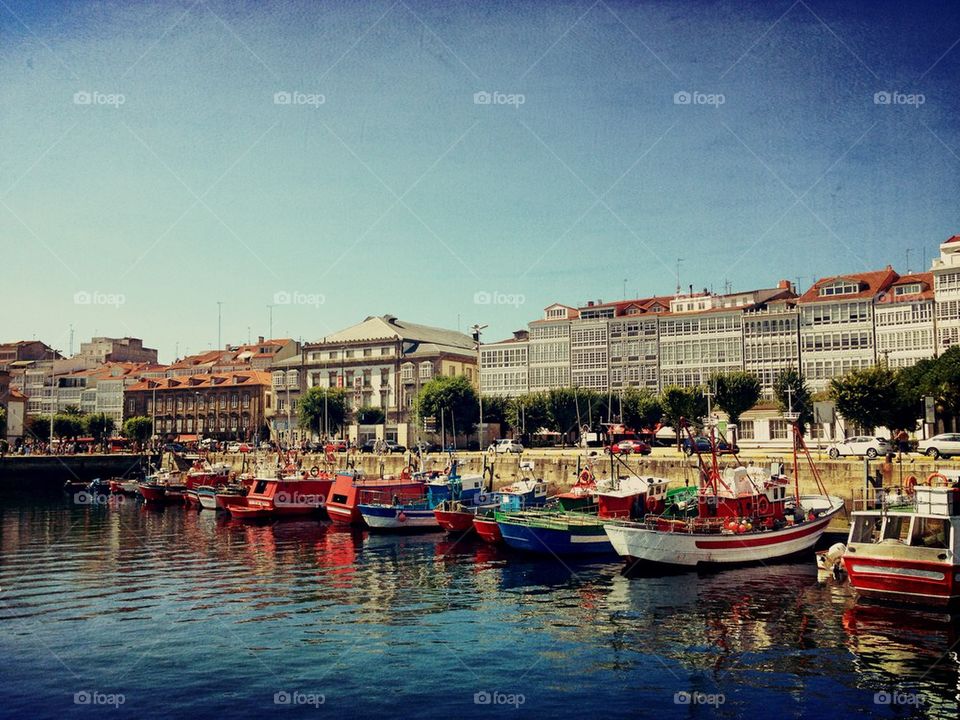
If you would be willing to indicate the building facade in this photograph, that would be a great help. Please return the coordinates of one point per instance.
(504, 366)
(904, 321)
(100, 350)
(946, 290)
(549, 348)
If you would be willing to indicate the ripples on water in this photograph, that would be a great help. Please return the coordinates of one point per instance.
(192, 614)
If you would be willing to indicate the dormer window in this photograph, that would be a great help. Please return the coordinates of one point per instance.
(841, 288)
(909, 289)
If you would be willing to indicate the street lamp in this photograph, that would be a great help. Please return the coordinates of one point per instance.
(477, 331)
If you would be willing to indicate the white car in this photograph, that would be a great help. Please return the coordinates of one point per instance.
(505, 445)
(861, 445)
(233, 447)
(943, 445)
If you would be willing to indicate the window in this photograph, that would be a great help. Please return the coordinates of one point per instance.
(746, 430)
(931, 532)
(909, 289)
(778, 429)
(840, 288)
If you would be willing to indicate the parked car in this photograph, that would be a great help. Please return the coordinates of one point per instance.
(701, 443)
(943, 445)
(861, 445)
(426, 447)
(626, 447)
(388, 446)
(393, 447)
(505, 445)
(174, 447)
(233, 447)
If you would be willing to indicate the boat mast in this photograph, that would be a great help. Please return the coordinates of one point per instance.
(794, 419)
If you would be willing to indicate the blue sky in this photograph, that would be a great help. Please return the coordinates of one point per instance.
(148, 168)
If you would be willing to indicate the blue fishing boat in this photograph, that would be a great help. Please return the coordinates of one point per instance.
(406, 514)
(457, 516)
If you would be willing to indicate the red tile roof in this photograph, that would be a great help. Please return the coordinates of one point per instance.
(954, 239)
(871, 283)
(244, 378)
(925, 280)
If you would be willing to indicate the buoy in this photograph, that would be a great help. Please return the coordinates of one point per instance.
(402, 517)
(314, 471)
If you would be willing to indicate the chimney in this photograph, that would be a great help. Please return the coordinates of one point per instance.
(589, 303)
(691, 289)
(783, 285)
(259, 339)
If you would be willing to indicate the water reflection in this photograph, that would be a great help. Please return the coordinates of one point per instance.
(119, 587)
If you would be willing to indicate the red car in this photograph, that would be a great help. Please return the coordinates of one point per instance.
(625, 447)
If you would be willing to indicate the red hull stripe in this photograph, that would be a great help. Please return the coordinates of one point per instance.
(746, 541)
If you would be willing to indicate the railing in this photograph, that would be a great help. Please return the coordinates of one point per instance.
(895, 498)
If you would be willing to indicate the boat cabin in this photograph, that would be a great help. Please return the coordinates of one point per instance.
(632, 497)
(930, 521)
(746, 492)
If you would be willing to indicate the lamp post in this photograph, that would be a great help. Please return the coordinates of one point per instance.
(477, 332)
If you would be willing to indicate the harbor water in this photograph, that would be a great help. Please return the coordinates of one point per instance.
(114, 609)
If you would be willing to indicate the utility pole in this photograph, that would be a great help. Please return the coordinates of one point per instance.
(270, 310)
(219, 324)
(477, 332)
(679, 260)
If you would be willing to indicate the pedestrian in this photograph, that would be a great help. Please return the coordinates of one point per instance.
(903, 441)
(886, 470)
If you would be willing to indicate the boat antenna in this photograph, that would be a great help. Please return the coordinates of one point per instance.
(793, 418)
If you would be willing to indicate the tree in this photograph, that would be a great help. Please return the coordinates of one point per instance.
(451, 400)
(791, 390)
(370, 416)
(39, 427)
(496, 410)
(67, 425)
(528, 413)
(683, 403)
(735, 393)
(640, 409)
(872, 397)
(138, 429)
(943, 383)
(563, 411)
(320, 405)
(99, 426)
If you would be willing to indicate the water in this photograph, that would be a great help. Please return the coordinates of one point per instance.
(184, 614)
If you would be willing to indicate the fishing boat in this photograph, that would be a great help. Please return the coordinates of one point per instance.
(162, 487)
(559, 531)
(231, 496)
(204, 473)
(124, 486)
(351, 489)
(206, 496)
(418, 514)
(456, 516)
(743, 515)
(300, 494)
(904, 542)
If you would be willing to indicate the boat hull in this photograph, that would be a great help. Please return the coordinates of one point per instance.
(934, 584)
(640, 544)
(455, 521)
(208, 501)
(573, 540)
(153, 493)
(488, 530)
(379, 517)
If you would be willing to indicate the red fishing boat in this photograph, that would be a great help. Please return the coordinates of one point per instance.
(202, 473)
(487, 529)
(351, 489)
(904, 542)
(291, 495)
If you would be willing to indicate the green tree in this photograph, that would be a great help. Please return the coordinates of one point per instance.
(370, 416)
(452, 400)
(872, 397)
(685, 403)
(735, 393)
(528, 413)
(563, 412)
(99, 426)
(38, 427)
(72, 410)
(640, 409)
(791, 391)
(138, 430)
(942, 382)
(67, 425)
(496, 409)
(318, 405)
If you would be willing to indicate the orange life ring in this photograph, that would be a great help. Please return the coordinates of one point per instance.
(446, 470)
(406, 473)
(931, 476)
(585, 476)
(651, 503)
(911, 483)
(314, 471)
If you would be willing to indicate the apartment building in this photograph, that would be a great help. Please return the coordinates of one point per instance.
(24, 351)
(260, 355)
(771, 340)
(100, 350)
(703, 333)
(837, 331)
(946, 290)
(904, 321)
(549, 348)
(504, 367)
(632, 341)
